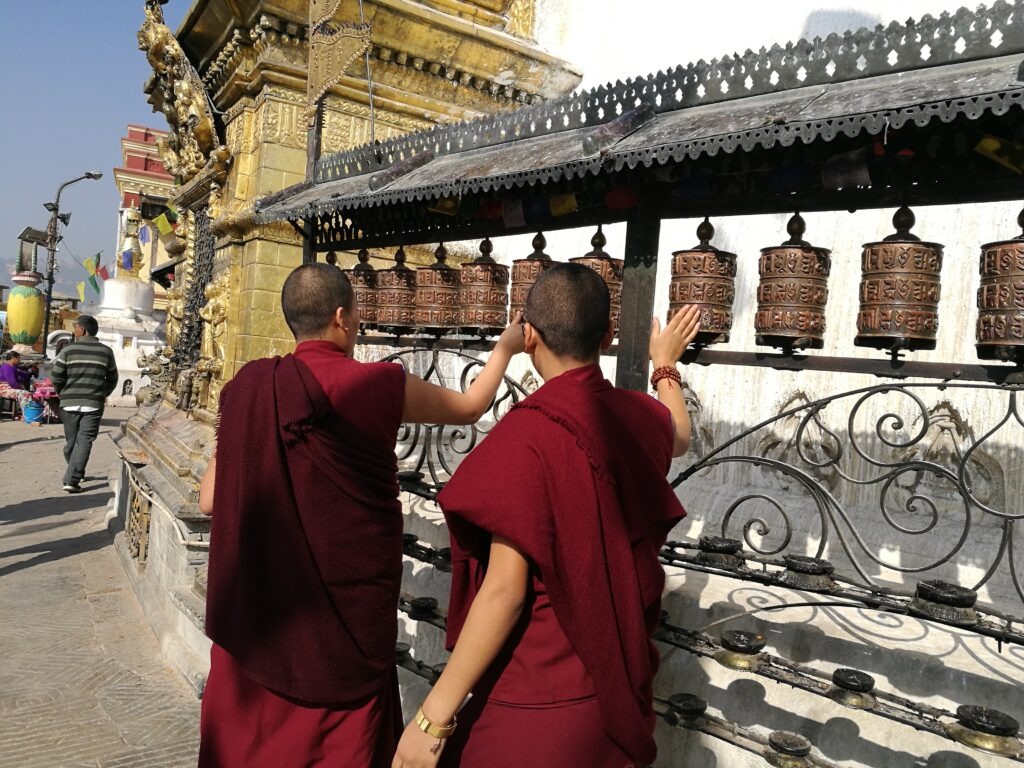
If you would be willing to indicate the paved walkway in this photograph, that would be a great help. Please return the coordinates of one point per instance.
(82, 682)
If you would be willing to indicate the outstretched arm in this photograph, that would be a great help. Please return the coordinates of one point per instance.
(429, 403)
(491, 619)
(667, 346)
(207, 483)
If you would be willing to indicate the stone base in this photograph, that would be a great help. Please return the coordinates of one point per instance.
(165, 557)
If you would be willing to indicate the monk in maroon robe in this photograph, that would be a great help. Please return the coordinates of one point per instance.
(556, 522)
(306, 539)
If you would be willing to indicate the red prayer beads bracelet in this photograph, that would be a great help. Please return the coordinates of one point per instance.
(665, 372)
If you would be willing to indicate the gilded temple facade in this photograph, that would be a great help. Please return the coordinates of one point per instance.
(232, 86)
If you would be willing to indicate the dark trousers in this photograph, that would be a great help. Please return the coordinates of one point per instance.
(80, 430)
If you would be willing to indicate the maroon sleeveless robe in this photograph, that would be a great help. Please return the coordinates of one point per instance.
(305, 565)
(574, 476)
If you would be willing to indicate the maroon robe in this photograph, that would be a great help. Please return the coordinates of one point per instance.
(305, 564)
(574, 476)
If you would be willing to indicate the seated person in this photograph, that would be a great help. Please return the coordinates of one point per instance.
(15, 379)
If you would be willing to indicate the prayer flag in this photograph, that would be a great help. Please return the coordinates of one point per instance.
(144, 234)
(621, 198)
(449, 206)
(103, 273)
(490, 209)
(81, 291)
(93, 283)
(172, 214)
(536, 210)
(90, 265)
(126, 259)
(562, 205)
(163, 224)
(1007, 153)
(512, 213)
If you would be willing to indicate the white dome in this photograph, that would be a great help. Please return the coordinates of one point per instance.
(124, 297)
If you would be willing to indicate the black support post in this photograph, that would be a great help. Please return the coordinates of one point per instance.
(643, 230)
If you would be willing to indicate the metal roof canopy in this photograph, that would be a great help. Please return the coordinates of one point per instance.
(874, 118)
(764, 132)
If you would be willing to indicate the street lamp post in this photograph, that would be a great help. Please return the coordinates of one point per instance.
(51, 245)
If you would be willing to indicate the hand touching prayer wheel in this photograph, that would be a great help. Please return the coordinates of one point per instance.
(792, 293)
(437, 295)
(609, 269)
(483, 295)
(1000, 332)
(364, 284)
(526, 271)
(396, 296)
(705, 276)
(899, 290)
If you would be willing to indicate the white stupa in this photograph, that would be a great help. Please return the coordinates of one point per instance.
(126, 318)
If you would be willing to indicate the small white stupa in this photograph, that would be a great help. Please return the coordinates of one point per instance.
(126, 318)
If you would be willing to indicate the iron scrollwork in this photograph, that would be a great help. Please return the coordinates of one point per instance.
(428, 454)
(186, 353)
(925, 470)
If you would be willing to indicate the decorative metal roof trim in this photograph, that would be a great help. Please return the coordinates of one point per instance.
(932, 41)
(773, 135)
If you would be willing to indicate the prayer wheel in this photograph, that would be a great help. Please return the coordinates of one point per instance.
(705, 276)
(396, 296)
(1000, 333)
(364, 284)
(610, 270)
(437, 295)
(525, 273)
(26, 310)
(792, 292)
(483, 294)
(899, 290)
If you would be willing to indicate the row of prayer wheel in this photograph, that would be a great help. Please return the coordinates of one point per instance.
(899, 292)
(473, 299)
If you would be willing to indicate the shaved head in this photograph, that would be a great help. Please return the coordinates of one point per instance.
(310, 297)
(569, 307)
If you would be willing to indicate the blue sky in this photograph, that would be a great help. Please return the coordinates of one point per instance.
(71, 79)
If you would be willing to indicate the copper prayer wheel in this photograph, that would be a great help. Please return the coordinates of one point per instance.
(1000, 333)
(437, 295)
(792, 293)
(364, 284)
(483, 294)
(525, 273)
(396, 296)
(899, 290)
(705, 276)
(610, 270)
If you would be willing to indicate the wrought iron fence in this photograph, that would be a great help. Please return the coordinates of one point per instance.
(186, 352)
(903, 490)
(897, 473)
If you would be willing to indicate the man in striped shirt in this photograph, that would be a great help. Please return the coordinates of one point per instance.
(84, 374)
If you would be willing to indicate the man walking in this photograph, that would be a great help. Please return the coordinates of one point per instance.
(84, 374)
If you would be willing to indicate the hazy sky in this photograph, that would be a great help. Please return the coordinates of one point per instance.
(71, 80)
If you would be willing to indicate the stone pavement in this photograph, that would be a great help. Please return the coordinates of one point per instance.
(81, 678)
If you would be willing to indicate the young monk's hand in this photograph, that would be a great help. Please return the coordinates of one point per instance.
(417, 749)
(512, 339)
(668, 343)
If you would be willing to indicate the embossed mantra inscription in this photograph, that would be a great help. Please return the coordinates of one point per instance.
(1000, 331)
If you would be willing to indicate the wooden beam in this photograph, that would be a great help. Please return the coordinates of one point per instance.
(643, 230)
